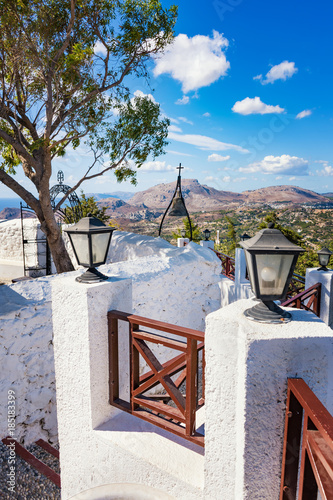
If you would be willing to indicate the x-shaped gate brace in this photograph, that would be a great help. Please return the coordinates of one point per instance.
(179, 420)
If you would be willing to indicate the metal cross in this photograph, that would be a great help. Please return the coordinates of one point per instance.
(179, 168)
(60, 176)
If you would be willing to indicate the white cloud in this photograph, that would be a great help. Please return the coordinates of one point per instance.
(254, 106)
(185, 120)
(239, 179)
(216, 157)
(211, 178)
(327, 171)
(184, 100)
(207, 115)
(99, 49)
(292, 178)
(278, 177)
(178, 153)
(283, 165)
(157, 166)
(205, 143)
(226, 178)
(174, 128)
(303, 114)
(281, 71)
(139, 93)
(194, 62)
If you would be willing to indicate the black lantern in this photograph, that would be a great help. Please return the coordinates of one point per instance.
(271, 259)
(183, 233)
(90, 239)
(324, 257)
(244, 237)
(206, 233)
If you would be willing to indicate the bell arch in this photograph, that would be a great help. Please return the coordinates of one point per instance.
(177, 204)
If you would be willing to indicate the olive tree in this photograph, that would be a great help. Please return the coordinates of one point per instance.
(64, 69)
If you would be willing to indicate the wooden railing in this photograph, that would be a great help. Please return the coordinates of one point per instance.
(308, 299)
(297, 285)
(33, 461)
(173, 410)
(307, 463)
(228, 265)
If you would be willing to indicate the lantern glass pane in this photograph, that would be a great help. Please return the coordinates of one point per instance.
(249, 266)
(99, 243)
(323, 259)
(273, 271)
(81, 245)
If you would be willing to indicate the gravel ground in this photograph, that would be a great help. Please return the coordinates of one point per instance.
(30, 484)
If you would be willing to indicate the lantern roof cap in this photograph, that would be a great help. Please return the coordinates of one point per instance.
(272, 240)
(89, 224)
(325, 251)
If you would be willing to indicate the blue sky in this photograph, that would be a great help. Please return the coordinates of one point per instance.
(247, 86)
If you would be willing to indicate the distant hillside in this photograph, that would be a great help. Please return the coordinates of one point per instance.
(292, 194)
(329, 195)
(151, 203)
(196, 195)
(120, 209)
(14, 213)
(121, 195)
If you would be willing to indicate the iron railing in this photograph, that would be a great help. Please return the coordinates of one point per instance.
(175, 409)
(308, 299)
(307, 463)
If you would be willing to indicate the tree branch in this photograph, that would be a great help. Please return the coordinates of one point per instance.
(20, 150)
(22, 192)
(68, 36)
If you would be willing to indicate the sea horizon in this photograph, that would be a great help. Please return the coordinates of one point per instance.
(9, 203)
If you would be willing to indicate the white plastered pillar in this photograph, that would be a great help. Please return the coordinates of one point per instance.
(79, 314)
(207, 244)
(247, 367)
(182, 242)
(314, 276)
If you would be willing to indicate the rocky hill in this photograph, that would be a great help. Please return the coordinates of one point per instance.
(197, 196)
(291, 194)
(120, 209)
(151, 203)
(14, 213)
(201, 197)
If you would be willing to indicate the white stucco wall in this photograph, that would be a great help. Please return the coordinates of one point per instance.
(98, 443)
(11, 248)
(179, 286)
(11, 240)
(247, 366)
(26, 360)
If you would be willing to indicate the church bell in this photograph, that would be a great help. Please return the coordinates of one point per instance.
(178, 208)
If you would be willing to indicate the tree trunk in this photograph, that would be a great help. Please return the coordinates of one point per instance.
(52, 231)
(59, 253)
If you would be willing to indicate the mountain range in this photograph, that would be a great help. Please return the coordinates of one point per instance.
(152, 202)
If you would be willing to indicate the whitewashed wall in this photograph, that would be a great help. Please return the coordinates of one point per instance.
(11, 240)
(26, 360)
(176, 285)
(11, 248)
